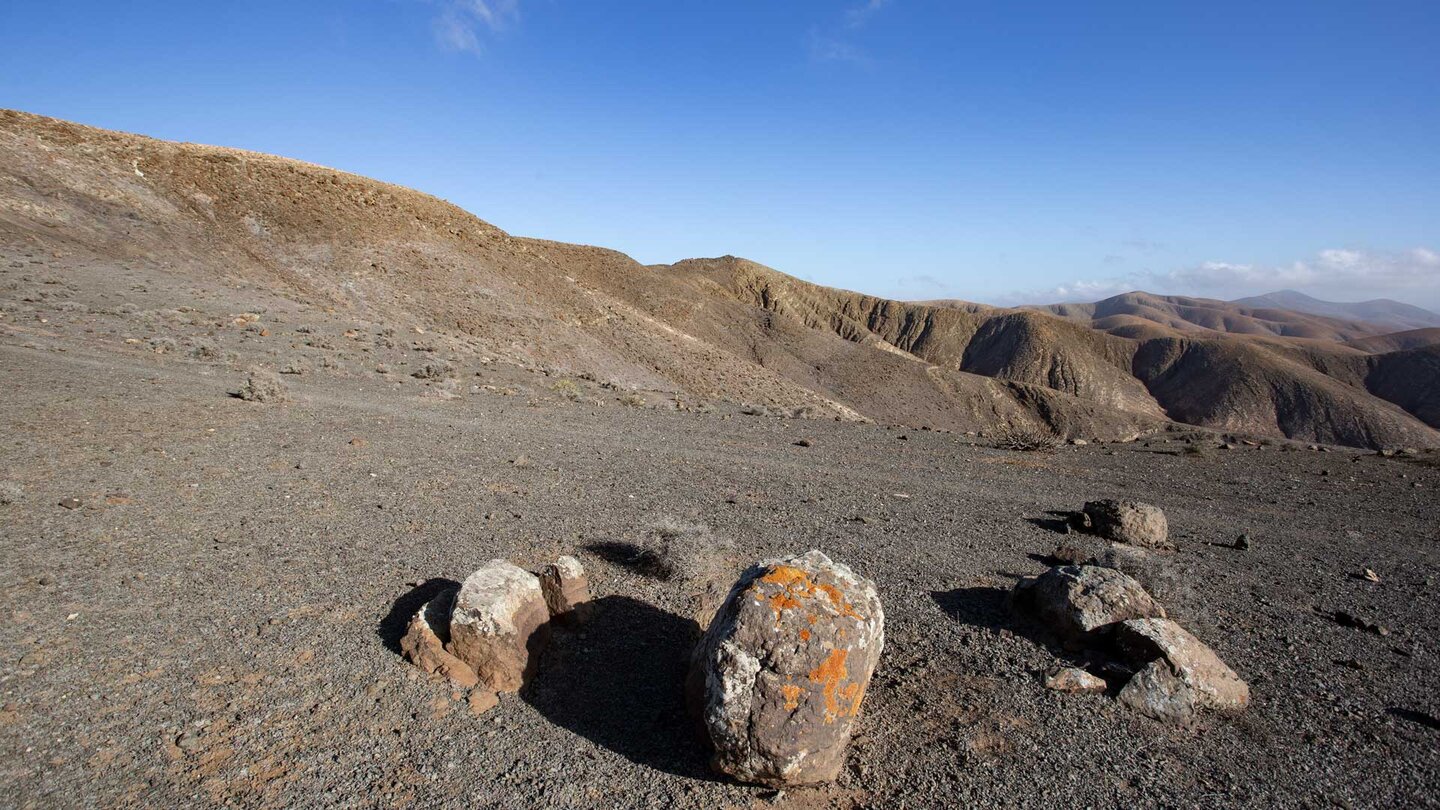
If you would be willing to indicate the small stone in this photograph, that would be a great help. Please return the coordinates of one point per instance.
(497, 612)
(1078, 442)
(566, 588)
(779, 677)
(1370, 575)
(1242, 542)
(1138, 524)
(1178, 673)
(482, 701)
(1074, 680)
(1078, 601)
(803, 443)
(70, 503)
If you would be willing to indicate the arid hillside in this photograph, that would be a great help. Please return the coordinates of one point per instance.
(245, 231)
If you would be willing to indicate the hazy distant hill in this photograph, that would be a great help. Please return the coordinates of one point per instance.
(130, 212)
(1141, 314)
(1391, 315)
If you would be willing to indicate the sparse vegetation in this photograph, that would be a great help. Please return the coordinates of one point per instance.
(567, 389)
(434, 370)
(632, 399)
(1028, 439)
(262, 386)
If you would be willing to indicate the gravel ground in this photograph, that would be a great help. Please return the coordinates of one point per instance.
(215, 622)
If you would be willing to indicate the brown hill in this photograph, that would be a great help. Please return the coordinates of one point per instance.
(1397, 341)
(1124, 314)
(220, 229)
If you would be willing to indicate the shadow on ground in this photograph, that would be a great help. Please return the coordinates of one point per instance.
(987, 608)
(990, 609)
(618, 680)
(392, 628)
(633, 557)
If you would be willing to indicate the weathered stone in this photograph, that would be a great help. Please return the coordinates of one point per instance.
(1178, 674)
(1138, 524)
(780, 675)
(1073, 679)
(425, 648)
(565, 587)
(1077, 601)
(499, 624)
(482, 701)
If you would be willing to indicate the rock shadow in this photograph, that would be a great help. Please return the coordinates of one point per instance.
(618, 680)
(992, 609)
(987, 608)
(633, 557)
(1429, 721)
(392, 628)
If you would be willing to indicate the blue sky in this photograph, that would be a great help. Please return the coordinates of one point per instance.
(998, 152)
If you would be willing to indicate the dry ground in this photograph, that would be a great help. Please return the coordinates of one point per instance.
(214, 623)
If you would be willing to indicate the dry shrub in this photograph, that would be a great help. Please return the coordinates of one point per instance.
(567, 389)
(434, 370)
(262, 386)
(1028, 439)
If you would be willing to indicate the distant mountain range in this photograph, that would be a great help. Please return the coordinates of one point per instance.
(1392, 315)
(1280, 314)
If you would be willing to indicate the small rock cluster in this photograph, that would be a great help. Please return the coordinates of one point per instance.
(776, 681)
(488, 633)
(1168, 673)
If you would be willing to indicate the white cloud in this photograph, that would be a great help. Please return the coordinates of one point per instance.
(1338, 273)
(833, 43)
(461, 24)
(1333, 269)
(824, 48)
(857, 16)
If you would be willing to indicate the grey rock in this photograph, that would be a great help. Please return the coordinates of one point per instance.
(1077, 602)
(1131, 522)
(1178, 674)
(779, 677)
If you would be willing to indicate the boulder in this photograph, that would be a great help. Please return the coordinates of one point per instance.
(1178, 674)
(499, 624)
(425, 648)
(565, 587)
(1073, 679)
(779, 676)
(1138, 524)
(1077, 602)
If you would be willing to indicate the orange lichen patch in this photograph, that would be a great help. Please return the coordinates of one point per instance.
(804, 635)
(855, 692)
(787, 576)
(791, 692)
(830, 673)
(836, 599)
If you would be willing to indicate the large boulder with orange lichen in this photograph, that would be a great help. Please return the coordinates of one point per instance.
(779, 676)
